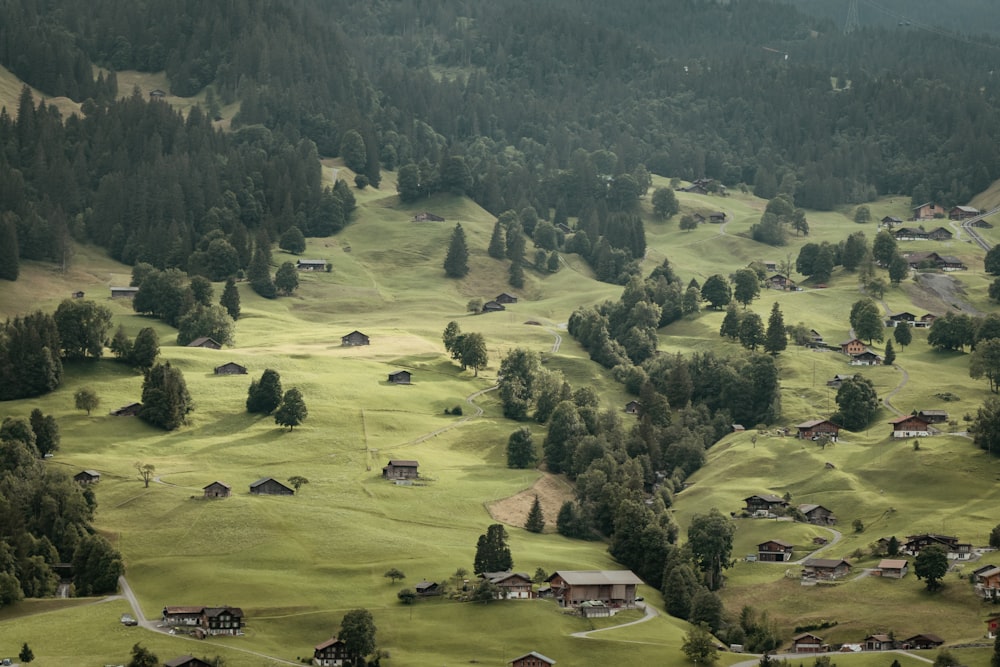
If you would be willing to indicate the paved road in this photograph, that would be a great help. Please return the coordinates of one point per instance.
(798, 656)
(650, 613)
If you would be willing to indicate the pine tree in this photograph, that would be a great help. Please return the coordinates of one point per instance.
(265, 395)
(492, 552)
(890, 354)
(497, 248)
(536, 520)
(456, 263)
(165, 398)
(26, 654)
(516, 275)
(259, 274)
(292, 410)
(776, 338)
(230, 299)
(9, 258)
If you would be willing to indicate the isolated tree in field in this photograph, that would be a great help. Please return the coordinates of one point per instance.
(297, 482)
(866, 320)
(521, 449)
(687, 223)
(474, 305)
(710, 537)
(46, 431)
(264, 395)
(146, 472)
(931, 564)
(699, 645)
(292, 410)
(862, 215)
(230, 299)
(902, 335)
(746, 286)
(456, 262)
(286, 279)
(498, 247)
(716, 291)
(985, 427)
(357, 631)
(731, 323)
(899, 268)
(26, 654)
(165, 398)
(292, 241)
(776, 338)
(407, 596)
(142, 657)
(752, 332)
(87, 399)
(985, 362)
(394, 574)
(890, 354)
(665, 204)
(857, 403)
(450, 337)
(492, 552)
(536, 520)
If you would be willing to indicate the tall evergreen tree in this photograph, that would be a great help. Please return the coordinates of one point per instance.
(9, 258)
(264, 395)
(730, 323)
(515, 275)
(492, 552)
(776, 338)
(456, 263)
(46, 431)
(890, 354)
(497, 248)
(259, 274)
(165, 398)
(536, 520)
(230, 299)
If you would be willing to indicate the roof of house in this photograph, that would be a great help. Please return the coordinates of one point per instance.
(201, 340)
(311, 261)
(328, 643)
(943, 413)
(182, 610)
(806, 508)
(403, 463)
(926, 203)
(814, 422)
(928, 636)
(891, 218)
(766, 497)
(262, 480)
(853, 340)
(892, 564)
(92, 473)
(395, 373)
(354, 332)
(806, 635)
(825, 563)
(900, 315)
(989, 572)
(222, 484)
(596, 577)
(506, 294)
(424, 585)
(879, 637)
(966, 209)
(906, 418)
(780, 543)
(534, 654)
(497, 577)
(184, 660)
(218, 611)
(933, 536)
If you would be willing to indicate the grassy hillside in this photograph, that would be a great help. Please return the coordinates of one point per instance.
(10, 92)
(296, 564)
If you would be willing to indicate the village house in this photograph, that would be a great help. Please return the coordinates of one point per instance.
(269, 486)
(963, 212)
(532, 659)
(779, 281)
(764, 502)
(901, 318)
(808, 643)
(910, 234)
(987, 582)
(186, 661)
(77, 295)
(181, 616)
(866, 358)
(717, 217)
(894, 568)
(206, 342)
(613, 587)
(909, 426)
(157, 94)
(230, 368)
(400, 377)
(87, 477)
(493, 307)
(774, 551)
(817, 514)
(838, 380)
(956, 550)
(933, 416)
(940, 234)
(770, 265)
(698, 217)
(879, 642)
(738, 428)
(889, 221)
(814, 429)
(355, 338)
(427, 217)
(921, 260)
(218, 490)
(505, 298)
(427, 588)
(510, 585)
(310, 264)
(992, 626)
(221, 621)
(130, 410)
(928, 211)
(331, 653)
(923, 642)
(633, 407)
(400, 469)
(852, 347)
(925, 320)
(825, 568)
(123, 292)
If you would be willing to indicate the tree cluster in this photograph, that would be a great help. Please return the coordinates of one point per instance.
(468, 349)
(492, 551)
(165, 398)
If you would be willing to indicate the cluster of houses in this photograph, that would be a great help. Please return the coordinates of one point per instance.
(919, 234)
(917, 425)
(932, 211)
(807, 642)
(205, 621)
(769, 505)
(264, 486)
(909, 319)
(859, 353)
(501, 302)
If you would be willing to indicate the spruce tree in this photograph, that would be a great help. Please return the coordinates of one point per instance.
(26, 654)
(230, 299)
(9, 258)
(890, 354)
(536, 520)
(456, 263)
(265, 395)
(259, 274)
(776, 338)
(165, 398)
(492, 552)
(497, 248)
(516, 275)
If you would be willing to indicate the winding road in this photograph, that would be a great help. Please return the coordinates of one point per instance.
(650, 613)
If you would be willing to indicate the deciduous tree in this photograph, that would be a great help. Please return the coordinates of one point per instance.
(521, 449)
(985, 427)
(292, 241)
(985, 362)
(902, 335)
(866, 320)
(665, 204)
(746, 286)
(699, 645)
(292, 411)
(931, 564)
(146, 472)
(357, 631)
(857, 403)
(752, 332)
(83, 328)
(286, 279)
(87, 399)
(264, 396)
(394, 574)
(710, 537)
(165, 398)
(716, 291)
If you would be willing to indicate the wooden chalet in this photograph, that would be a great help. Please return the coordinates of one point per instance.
(853, 346)
(838, 380)
(400, 469)
(866, 358)
(613, 587)
(825, 568)
(814, 429)
(992, 626)
(922, 642)
(510, 585)
(928, 211)
(890, 220)
(909, 426)
(879, 642)
(187, 661)
(355, 338)
(779, 281)
(230, 368)
(764, 502)
(933, 416)
(77, 295)
(400, 377)
(564, 228)
(221, 621)
(910, 234)
(493, 307)
(269, 486)
(893, 568)
(206, 342)
(87, 477)
(331, 653)
(427, 217)
(718, 217)
(427, 588)
(925, 320)
(774, 551)
(808, 643)
(956, 550)
(901, 318)
(817, 514)
(918, 260)
(987, 582)
(310, 264)
(130, 410)
(157, 94)
(698, 217)
(505, 298)
(218, 490)
(815, 339)
(532, 659)
(633, 408)
(123, 292)
(963, 212)
(181, 616)
(738, 428)
(940, 234)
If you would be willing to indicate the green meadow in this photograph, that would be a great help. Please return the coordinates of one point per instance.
(296, 564)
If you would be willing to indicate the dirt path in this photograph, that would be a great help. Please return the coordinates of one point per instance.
(837, 536)
(650, 613)
(477, 412)
(887, 399)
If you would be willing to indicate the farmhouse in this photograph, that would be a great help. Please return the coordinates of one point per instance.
(269, 486)
(230, 368)
(925, 320)
(130, 410)
(778, 281)
(774, 551)
(427, 217)
(910, 234)
(400, 377)
(923, 642)
(956, 550)
(962, 212)
(909, 426)
(218, 490)
(511, 585)
(818, 515)
(186, 661)
(78, 295)
(892, 568)
(123, 292)
(493, 307)
(928, 211)
(182, 615)
(505, 298)
(939, 234)
(807, 643)
(838, 380)
(890, 220)
(221, 620)
(901, 318)
(933, 416)
(853, 346)
(532, 659)
(427, 588)
(157, 94)
(992, 626)
(879, 642)
(920, 260)
(817, 428)
(717, 217)
(866, 358)
(206, 342)
(613, 587)
(355, 338)
(331, 653)
(987, 582)
(633, 407)
(87, 477)
(311, 264)
(400, 469)
(825, 568)
(764, 502)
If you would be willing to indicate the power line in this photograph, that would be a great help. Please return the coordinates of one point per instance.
(852, 22)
